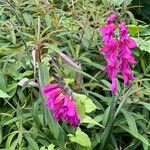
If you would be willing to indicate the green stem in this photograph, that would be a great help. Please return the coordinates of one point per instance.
(110, 122)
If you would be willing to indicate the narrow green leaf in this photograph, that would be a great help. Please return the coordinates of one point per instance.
(54, 127)
(2, 81)
(14, 145)
(9, 139)
(32, 142)
(43, 74)
(131, 121)
(89, 120)
(19, 138)
(1, 135)
(146, 105)
(133, 127)
(48, 20)
(10, 121)
(28, 18)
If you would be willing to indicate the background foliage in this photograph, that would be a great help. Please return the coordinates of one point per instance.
(40, 38)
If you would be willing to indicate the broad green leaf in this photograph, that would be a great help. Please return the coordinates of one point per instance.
(3, 94)
(80, 138)
(43, 148)
(89, 105)
(51, 147)
(144, 45)
(81, 108)
(32, 142)
(134, 29)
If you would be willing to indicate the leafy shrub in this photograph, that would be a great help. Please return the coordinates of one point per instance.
(45, 41)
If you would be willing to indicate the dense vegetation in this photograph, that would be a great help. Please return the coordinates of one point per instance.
(58, 41)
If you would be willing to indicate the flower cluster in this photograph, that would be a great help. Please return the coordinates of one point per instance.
(126, 58)
(61, 104)
(117, 51)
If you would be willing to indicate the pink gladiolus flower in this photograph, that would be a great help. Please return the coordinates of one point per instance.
(109, 28)
(110, 50)
(111, 19)
(117, 52)
(107, 32)
(125, 53)
(61, 104)
(70, 115)
(48, 88)
(58, 109)
(114, 85)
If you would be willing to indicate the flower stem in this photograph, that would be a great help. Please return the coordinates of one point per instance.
(110, 122)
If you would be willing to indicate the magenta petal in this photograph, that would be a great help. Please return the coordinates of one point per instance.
(47, 88)
(59, 99)
(125, 54)
(114, 85)
(72, 109)
(58, 106)
(62, 106)
(50, 103)
(131, 43)
(111, 18)
(54, 93)
(71, 116)
(123, 31)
